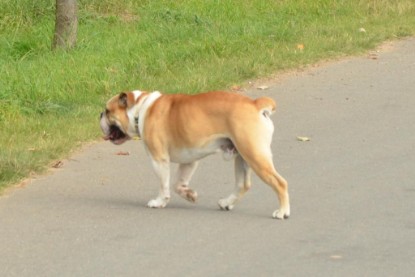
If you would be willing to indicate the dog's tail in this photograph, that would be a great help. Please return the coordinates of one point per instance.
(266, 105)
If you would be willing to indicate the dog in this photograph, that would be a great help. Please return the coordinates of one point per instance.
(184, 128)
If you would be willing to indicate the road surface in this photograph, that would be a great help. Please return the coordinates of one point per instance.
(352, 189)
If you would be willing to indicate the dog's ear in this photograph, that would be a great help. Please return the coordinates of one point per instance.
(123, 100)
(126, 100)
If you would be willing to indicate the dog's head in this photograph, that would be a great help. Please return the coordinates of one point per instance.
(116, 123)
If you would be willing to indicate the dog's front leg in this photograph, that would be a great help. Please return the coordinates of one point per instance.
(184, 174)
(162, 170)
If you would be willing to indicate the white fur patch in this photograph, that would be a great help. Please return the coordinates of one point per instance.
(139, 110)
(137, 94)
(147, 102)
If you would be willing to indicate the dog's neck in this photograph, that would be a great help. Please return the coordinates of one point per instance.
(138, 113)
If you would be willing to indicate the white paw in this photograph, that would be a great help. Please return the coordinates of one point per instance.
(157, 203)
(224, 204)
(281, 214)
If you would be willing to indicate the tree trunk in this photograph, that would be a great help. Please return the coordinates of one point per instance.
(66, 24)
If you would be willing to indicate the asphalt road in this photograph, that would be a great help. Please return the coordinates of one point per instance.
(352, 189)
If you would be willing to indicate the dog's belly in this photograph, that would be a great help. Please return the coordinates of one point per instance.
(188, 155)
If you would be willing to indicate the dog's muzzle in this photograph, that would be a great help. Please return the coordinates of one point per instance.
(115, 134)
(112, 132)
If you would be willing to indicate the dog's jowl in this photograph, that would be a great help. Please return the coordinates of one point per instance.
(186, 128)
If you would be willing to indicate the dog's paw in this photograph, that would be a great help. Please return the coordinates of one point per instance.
(281, 214)
(225, 205)
(157, 203)
(191, 196)
(187, 193)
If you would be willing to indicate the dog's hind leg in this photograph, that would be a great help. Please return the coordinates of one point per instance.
(264, 168)
(256, 151)
(242, 184)
(184, 174)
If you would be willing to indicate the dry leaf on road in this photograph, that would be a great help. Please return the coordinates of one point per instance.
(303, 138)
(263, 87)
(122, 153)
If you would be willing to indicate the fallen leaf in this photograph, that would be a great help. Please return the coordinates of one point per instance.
(336, 257)
(235, 88)
(122, 153)
(263, 87)
(31, 149)
(362, 30)
(103, 180)
(373, 56)
(303, 138)
(57, 164)
(300, 47)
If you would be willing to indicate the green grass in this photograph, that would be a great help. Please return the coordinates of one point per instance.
(50, 101)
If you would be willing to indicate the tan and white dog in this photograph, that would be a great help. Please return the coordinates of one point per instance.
(186, 128)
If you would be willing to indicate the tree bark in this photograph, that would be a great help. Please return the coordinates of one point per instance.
(66, 24)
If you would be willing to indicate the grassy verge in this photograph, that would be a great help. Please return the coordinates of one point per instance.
(50, 101)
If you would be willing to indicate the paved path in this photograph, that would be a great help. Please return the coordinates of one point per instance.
(352, 189)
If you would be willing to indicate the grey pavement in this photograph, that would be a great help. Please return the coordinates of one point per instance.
(352, 189)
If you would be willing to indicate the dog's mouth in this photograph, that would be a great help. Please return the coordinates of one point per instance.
(115, 135)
